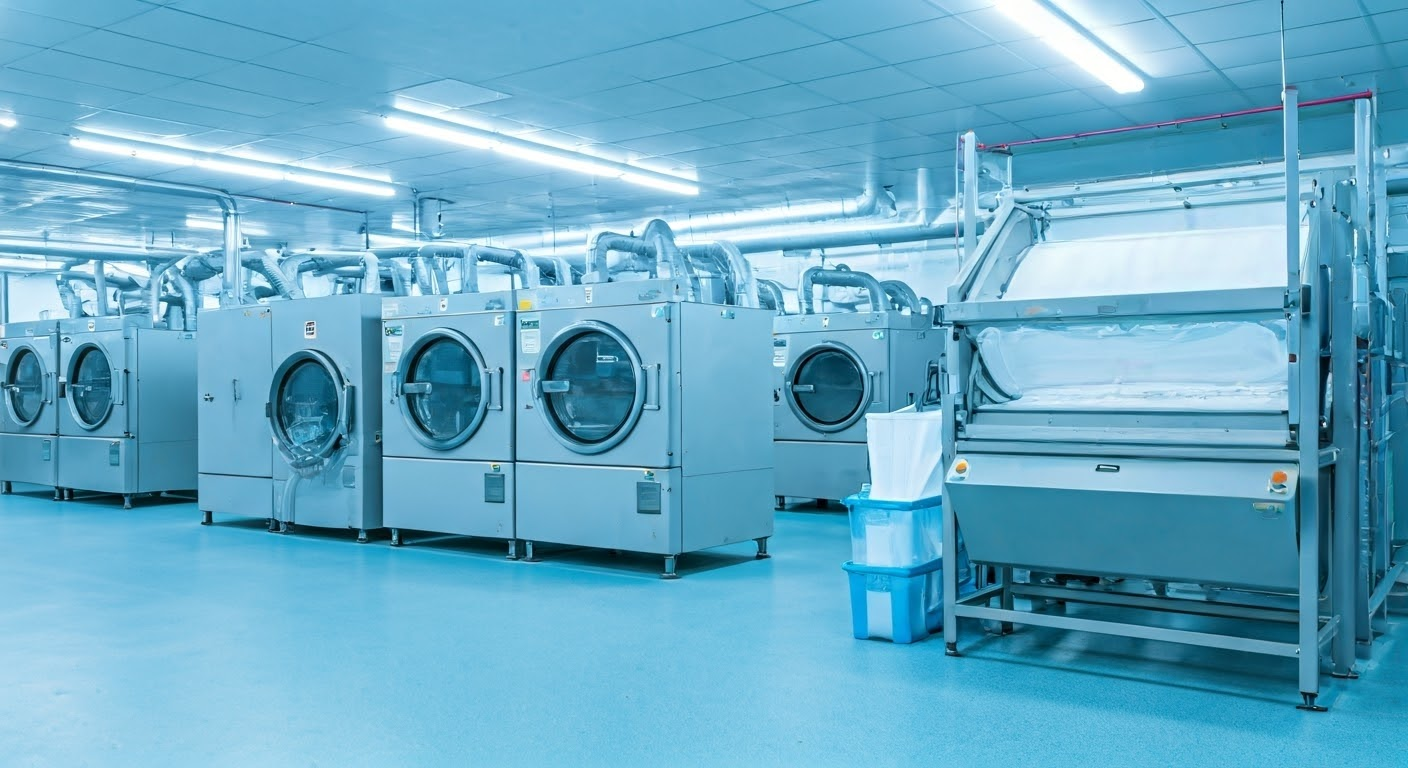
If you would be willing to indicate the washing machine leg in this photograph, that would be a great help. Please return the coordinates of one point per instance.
(70, 493)
(670, 568)
(126, 501)
(781, 503)
(395, 537)
(528, 552)
(513, 549)
(207, 518)
(58, 494)
(762, 549)
(5, 488)
(361, 536)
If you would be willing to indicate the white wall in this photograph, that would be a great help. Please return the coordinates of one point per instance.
(31, 297)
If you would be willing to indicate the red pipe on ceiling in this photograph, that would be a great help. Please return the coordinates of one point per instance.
(1177, 122)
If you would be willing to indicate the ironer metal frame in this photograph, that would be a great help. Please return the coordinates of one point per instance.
(1320, 301)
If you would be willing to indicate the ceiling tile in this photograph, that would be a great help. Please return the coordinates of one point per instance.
(717, 82)
(634, 99)
(344, 69)
(847, 18)
(184, 30)
(298, 20)
(565, 81)
(222, 98)
(665, 144)
(965, 66)
(131, 51)
(92, 13)
(815, 62)
(752, 37)
(1391, 27)
(737, 133)
(919, 41)
(272, 82)
(907, 104)
(775, 101)
(1092, 120)
(84, 70)
(1229, 22)
(1018, 85)
(1033, 107)
(821, 119)
(617, 129)
(870, 83)
(697, 115)
(451, 93)
(38, 106)
(654, 60)
(1100, 14)
(1174, 61)
(40, 31)
(18, 81)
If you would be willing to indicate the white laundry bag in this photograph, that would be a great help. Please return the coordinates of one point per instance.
(906, 449)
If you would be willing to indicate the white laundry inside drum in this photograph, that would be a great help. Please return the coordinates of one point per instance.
(1160, 262)
(1221, 366)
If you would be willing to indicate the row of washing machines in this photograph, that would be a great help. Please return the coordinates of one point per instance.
(619, 416)
(98, 404)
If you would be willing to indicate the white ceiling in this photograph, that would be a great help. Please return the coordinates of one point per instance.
(767, 100)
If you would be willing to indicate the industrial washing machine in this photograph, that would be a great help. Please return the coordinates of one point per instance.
(128, 420)
(29, 424)
(642, 420)
(832, 369)
(236, 457)
(324, 409)
(447, 415)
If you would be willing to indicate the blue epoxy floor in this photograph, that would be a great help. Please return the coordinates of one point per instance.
(142, 638)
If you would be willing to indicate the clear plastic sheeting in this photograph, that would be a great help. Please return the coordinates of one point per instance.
(1198, 366)
(1161, 262)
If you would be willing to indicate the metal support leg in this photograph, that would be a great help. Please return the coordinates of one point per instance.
(950, 582)
(70, 493)
(781, 503)
(5, 488)
(670, 568)
(1308, 703)
(395, 537)
(762, 549)
(513, 549)
(126, 501)
(58, 494)
(207, 518)
(1005, 574)
(361, 536)
(528, 552)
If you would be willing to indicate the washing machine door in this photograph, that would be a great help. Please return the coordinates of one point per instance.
(310, 407)
(828, 387)
(26, 386)
(592, 388)
(91, 380)
(444, 389)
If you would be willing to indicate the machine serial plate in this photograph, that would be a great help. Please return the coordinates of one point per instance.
(648, 498)
(779, 352)
(494, 488)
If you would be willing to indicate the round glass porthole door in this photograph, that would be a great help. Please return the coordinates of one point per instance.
(24, 386)
(308, 407)
(591, 388)
(443, 391)
(90, 386)
(828, 388)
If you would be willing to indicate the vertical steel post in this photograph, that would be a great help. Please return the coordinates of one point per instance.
(4, 297)
(970, 195)
(1367, 418)
(233, 289)
(1335, 233)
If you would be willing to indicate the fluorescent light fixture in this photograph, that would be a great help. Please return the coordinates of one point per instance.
(1073, 43)
(216, 225)
(536, 152)
(7, 121)
(178, 156)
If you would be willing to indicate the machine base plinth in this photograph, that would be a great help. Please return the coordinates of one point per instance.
(1308, 703)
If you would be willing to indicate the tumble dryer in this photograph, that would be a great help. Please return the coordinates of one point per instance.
(29, 424)
(324, 409)
(236, 456)
(831, 370)
(127, 424)
(447, 415)
(642, 420)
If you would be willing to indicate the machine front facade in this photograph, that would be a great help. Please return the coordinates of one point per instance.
(236, 455)
(447, 415)
(324, 410)
(29, 423)
(127, 419)
(642, 419)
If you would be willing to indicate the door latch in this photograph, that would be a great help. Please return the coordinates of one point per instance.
(209, 398)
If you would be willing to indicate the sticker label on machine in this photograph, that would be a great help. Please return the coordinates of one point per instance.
(779, 351)
(395, 339)
(530, 334)
(310, 329)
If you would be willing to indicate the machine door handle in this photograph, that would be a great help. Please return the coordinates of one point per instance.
(495, 389)
(549, 386)
(805, 389)
(63, 389)
(416, 388)
(652, 403)
(209, 398)
(876, 396)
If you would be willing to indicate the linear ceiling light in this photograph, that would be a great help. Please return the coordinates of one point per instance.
(7, 121)
(161, 153)
(532, 151)
(1073, 43)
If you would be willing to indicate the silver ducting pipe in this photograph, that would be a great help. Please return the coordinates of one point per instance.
(98, 178)
(154, 285)
(67, 296)
(598, 267)
(867, 204)
(100, 287)
(425, 278)
(561, 269)
(876, 236)
(190, 300)
(823, 276)
(371, 273)
(26, 246)
(295, 266)
(401, 278)
(266, 264)
(901, 296)
(661, 238)
(770, 296)
(744, 288)
(517, 261)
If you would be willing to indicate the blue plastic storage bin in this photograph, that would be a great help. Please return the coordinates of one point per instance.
(899, 604)
(895, 534)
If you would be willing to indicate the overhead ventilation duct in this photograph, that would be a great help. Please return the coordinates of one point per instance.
(838, 277)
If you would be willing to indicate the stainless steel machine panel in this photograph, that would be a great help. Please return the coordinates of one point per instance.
(29, 459)
(324, 408)
(1160, 519)
(464, 498)
(819, 470)
(235, 365)
(448, 363)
